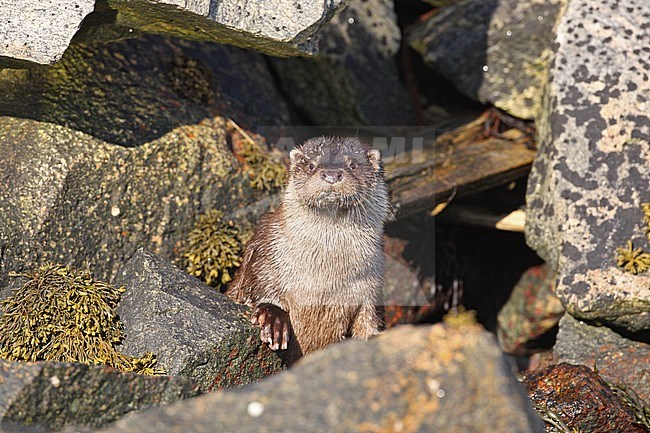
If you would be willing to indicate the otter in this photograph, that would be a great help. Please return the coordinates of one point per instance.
(313, 270)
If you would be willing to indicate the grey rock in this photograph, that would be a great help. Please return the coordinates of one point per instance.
(494, 51)
(280, 27)
(53, 395)
(29, 34)
(619, 360)
(95, 165)
(134, 91)
(68, 198)
(194, 330)
(592, 171)
(429, 378)
(354, 79)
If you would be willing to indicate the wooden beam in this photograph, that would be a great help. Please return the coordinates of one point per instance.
(418, 180)
(510, 222)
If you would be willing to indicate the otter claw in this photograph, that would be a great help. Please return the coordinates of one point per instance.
(274, 325)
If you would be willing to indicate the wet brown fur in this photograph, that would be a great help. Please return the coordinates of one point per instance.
(319, 256)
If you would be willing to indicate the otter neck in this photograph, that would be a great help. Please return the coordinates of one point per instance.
(370, 215)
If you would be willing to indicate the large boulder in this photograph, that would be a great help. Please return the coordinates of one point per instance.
(592, 172)
(69, 198)
(123, 146)
(619, 360)
(353, 80)
(29, 35)
(580, 399)
(132, 92)
(194, 330)
(494, 51)
(409, 379)
(53, 394)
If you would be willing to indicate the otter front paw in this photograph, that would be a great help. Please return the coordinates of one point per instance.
(274, 323)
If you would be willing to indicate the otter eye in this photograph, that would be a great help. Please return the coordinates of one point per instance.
(311, 166)
(353, 165)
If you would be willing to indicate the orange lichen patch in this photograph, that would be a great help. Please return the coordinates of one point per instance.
(266, 169)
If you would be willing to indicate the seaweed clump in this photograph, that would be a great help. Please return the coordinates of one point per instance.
(214, 249)
(632, 260)
(638, 406)
(266, 173)
(459, 317)
(635, 260)
(62, 314)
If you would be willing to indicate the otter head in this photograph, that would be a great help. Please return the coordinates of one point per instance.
(337, 172)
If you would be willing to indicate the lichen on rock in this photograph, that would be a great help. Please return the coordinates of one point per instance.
(646, 218)
(63, 314)
(266, 169)
(213, 250)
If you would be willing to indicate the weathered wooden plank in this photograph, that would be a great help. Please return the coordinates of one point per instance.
(445, 171)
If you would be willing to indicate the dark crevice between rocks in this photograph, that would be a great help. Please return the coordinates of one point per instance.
(426, 86)
(487, 262)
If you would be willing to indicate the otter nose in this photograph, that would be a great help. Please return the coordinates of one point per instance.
(331, 176)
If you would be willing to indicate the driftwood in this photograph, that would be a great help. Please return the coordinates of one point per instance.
(511, 222)
(461, 162)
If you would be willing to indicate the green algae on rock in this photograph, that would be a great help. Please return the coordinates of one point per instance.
(213, 250)
(132, 92)
(63, 314)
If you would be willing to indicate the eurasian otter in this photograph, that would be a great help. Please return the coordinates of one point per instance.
(313, 270)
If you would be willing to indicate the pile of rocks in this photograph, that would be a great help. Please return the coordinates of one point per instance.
(121, 124)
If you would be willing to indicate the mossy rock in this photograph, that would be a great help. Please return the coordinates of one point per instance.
(74, 199)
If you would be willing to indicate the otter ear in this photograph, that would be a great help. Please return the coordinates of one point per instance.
(374, 156)
(295, 154)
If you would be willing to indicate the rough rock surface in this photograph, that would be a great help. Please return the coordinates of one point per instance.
(55, 394)
(619, 360)
(357, 57)
(409, 379)
(75, 197)
(134, 91)
(66, 197)
(532, 310)
(279, 27)
(29, 34)
(494, 51)
(193, 329)
(12, 427)
(404, 298)
(581, 399)
(592, 171)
